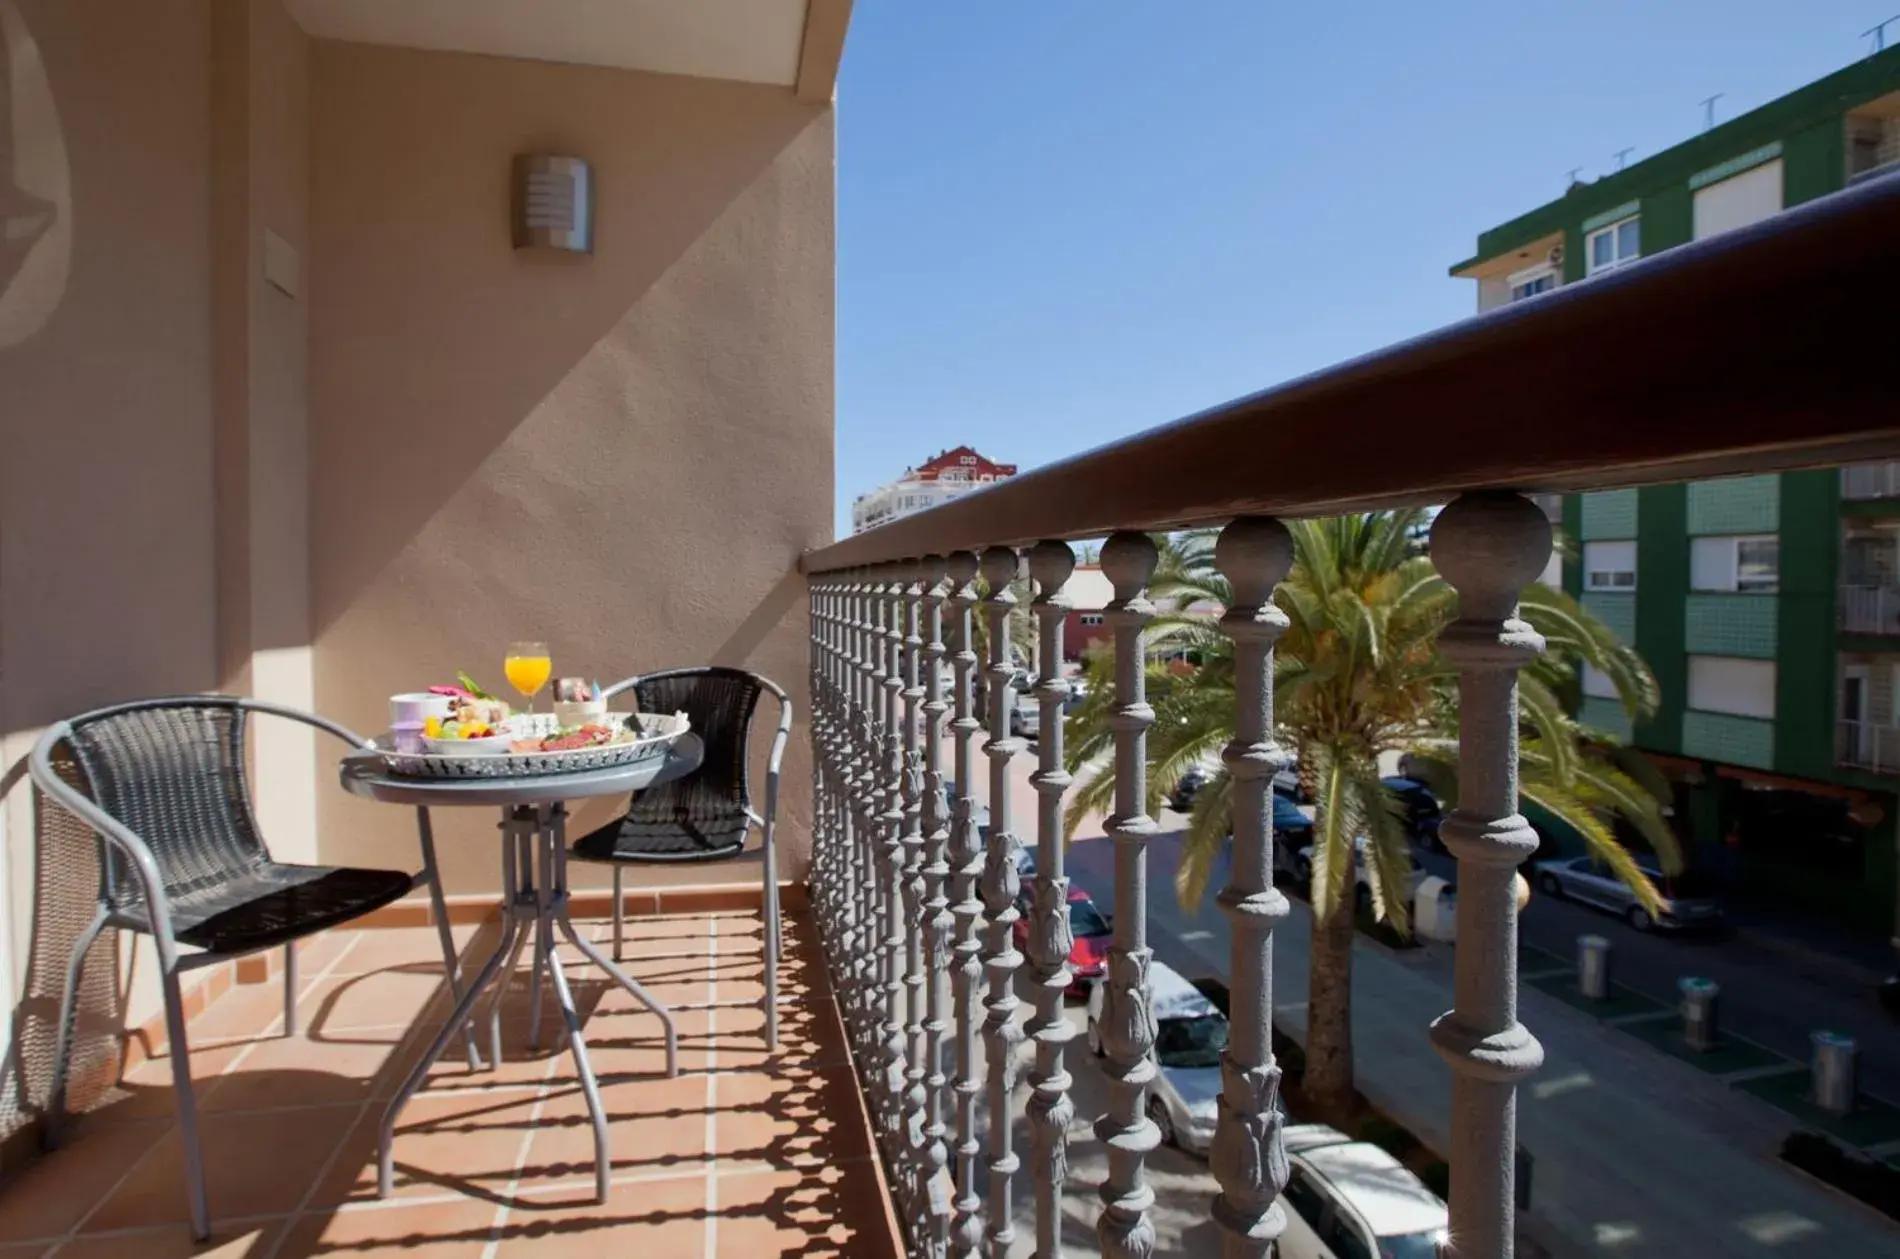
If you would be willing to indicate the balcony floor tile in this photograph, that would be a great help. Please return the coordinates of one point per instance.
(744, 1152)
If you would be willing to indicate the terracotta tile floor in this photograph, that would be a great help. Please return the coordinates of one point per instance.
(744, 1153)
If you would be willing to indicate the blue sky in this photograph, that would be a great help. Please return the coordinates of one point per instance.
(1064, 221)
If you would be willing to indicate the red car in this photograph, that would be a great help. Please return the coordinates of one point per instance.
(1089, 958)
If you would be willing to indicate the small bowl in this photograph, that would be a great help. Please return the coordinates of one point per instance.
(496, 745)
(573, 714)
(417, 706)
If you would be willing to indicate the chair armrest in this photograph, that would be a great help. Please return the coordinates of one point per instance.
(116, 833)
(625, 684)
(780, 737)
(324, 724)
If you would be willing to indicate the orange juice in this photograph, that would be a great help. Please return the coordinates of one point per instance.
(527, 674)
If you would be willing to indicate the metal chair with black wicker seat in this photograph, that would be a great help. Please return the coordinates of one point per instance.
(163, 784)
(706, 815)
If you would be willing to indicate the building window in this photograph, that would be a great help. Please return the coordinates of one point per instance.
(1738, 201)
(1609, 566)
(1597, 684)
(1091, 618)
(1728, 684)
(1530, 285)
(1615, 245)
(1749, 564)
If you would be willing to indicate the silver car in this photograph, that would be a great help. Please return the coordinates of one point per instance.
(1190, 1033)
(1025, 717)
(1687, 900)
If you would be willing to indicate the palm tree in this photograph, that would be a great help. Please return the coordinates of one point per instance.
(1357, 674)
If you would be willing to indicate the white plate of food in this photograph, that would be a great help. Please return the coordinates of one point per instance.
(538, 744)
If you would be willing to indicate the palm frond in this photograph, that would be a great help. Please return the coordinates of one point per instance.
(1208, 828)
(1602, 844)
(1556, 732)
(1339, 825)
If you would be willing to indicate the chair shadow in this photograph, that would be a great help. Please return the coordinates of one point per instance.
(806, 1123)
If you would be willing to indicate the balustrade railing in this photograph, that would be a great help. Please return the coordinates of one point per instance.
(1870, 480)
(1871, 745)
(912, 903)
(1870, 609)
(918, 914)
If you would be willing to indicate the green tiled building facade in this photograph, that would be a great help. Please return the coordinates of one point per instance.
(1768, 606)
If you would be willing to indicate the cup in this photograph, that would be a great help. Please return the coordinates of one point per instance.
(571, 714)
(417, 706)
(407, 736)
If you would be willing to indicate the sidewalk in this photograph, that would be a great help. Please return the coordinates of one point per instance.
(1634, 1153)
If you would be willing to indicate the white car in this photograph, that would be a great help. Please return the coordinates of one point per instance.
(1190, 1033)
(1349, 1199)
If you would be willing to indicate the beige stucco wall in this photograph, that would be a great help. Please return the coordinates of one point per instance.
(260, 139)
(622, 454)
(432, 445)
(107, 575)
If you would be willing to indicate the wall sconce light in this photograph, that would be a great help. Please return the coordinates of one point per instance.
(553, 203)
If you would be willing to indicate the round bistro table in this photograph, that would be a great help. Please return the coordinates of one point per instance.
(534, 907)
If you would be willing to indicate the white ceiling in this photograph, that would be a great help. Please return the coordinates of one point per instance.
(756, 41)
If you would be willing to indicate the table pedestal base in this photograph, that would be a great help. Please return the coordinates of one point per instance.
(534, 908)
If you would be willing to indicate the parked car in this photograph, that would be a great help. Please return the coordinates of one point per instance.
(1301, 861)
(1025, 716)
(1418, 807)
(1091, 928)
(1688, 900)
(1189, 784)
(1190, 1034)
(1349, 1199)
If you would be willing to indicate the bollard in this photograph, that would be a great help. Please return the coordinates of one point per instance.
(1593, 967)
(1834, 1071)
(1698, 1011)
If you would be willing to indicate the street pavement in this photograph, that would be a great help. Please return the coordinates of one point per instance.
(1635, 1154)
(1770, 995)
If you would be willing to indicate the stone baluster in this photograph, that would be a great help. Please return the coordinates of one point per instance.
(1249, 1156)
(1050, 940)
(836, 751)
(937, 918)
(816, 880)
(844, 756)
(1000, 883)
(1126, 1024)
(890, 819)
(1488, 546)
(913, 894)
(864, 822)
(966, 868)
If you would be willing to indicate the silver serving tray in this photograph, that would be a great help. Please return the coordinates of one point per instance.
(659, 734)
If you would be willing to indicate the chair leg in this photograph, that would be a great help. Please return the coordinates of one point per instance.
(186, 1102)
(50, 1132)
(290, 989)
(770, 863)
(620, 914)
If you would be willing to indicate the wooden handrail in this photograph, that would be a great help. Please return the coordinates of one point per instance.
(1762, 349)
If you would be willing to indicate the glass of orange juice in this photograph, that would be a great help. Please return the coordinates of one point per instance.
(527, 666)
